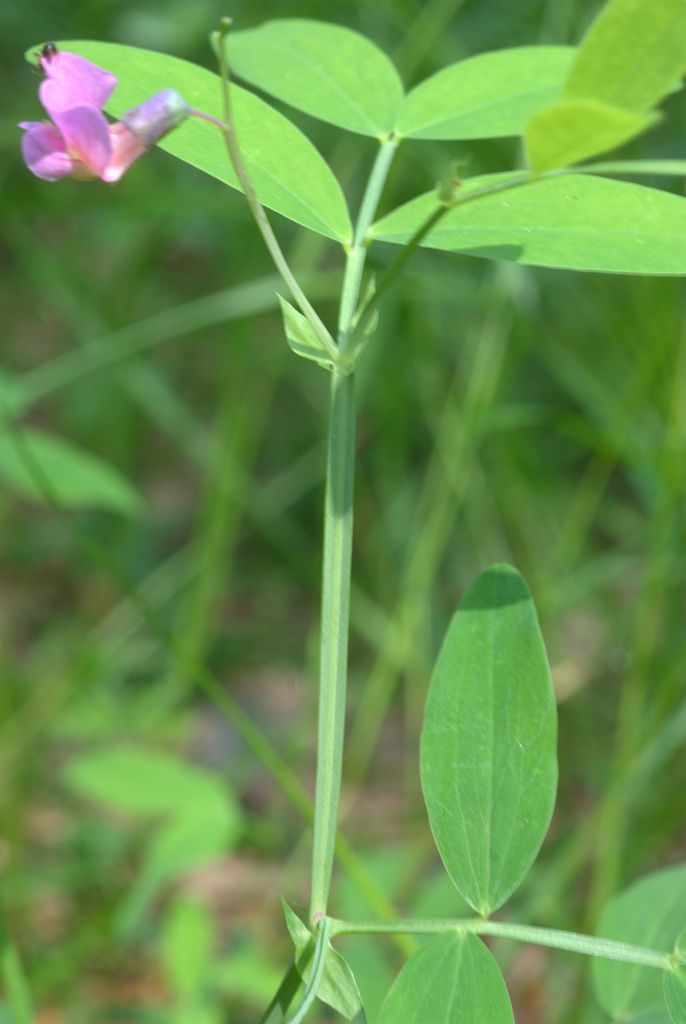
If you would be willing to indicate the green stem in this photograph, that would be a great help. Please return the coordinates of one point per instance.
(571, 941)
(259, 213)
(318, 965)
(338, 530)
(337, 555)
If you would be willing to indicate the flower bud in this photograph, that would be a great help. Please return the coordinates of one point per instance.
(157, 116)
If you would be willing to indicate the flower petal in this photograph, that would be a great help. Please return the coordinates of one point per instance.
(87, 137)
(44, 151)
(126, 148)
(73, 81)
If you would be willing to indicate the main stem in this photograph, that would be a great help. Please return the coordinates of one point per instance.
(337, 556)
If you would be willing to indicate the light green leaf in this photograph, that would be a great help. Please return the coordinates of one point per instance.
(326, 70)
(574, 221)
(651, 913)
(452, 980)
(491, 95)
(290, 176)
(144, 781)
(41, 467)
(488, 752)
(572, 130)
(186, 949)
(13, 400)
(633, 54)
(338, 987)
(664, 168)
(301, 336)
(675, 994)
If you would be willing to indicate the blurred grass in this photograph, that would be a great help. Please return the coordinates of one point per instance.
(505, 413)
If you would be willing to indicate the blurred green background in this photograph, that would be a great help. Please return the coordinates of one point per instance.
(505, 413)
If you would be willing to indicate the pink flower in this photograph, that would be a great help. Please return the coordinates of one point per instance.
(79, 141)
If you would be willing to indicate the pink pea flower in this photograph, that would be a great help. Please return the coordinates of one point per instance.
(79, 141)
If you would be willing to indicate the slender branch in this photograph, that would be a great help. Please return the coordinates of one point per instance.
(337, 556)
(588, 945)
(318, 964)
(259, 213)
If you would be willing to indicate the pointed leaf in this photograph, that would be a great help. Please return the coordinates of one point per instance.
(491, 95)
(290, 176)
(488, 757)
(454, 979)
(651, 913)
(574, 221)
(301, 336)
(326, 70)
(40, 467)
(633, 54)
(338, 987)
(572, 130)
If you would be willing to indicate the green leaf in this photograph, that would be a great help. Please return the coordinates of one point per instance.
(572, 130)
(452, 980)
(491, 95)
(41, 467)
(186, 949)
(651, 913)
(13, 399)
(326, 70)
(675, 993)
(338, 987)
(144, 781)
(633, 54)
(573, 221)
(665, 168)
(301, 336)
(290, 176)
(488, 752)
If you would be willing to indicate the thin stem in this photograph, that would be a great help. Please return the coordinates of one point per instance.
(337, 555)
(338, 530)
(588, 945)
(318, 964)
(259, 213)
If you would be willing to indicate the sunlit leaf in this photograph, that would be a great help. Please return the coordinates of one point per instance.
(186, 949)
(633, 54)
(493, 94)
(651, 913)
(488, 753)
(675, 994)
(44, 468)
(290, 176)
(326, 70)
(453, 979)
(574, 221)
(573, 130)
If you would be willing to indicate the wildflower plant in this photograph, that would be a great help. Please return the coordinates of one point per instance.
(488, 748)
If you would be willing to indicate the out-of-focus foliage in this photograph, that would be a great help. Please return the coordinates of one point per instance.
(506, 413)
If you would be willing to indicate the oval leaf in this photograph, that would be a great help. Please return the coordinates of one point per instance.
(326, 70)
(633, 54)
(488, 757)
(574, 222)
(290, 175)
(651, 913)
(491, 95)
(144, 781)
(452, 980)
(40, 467)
